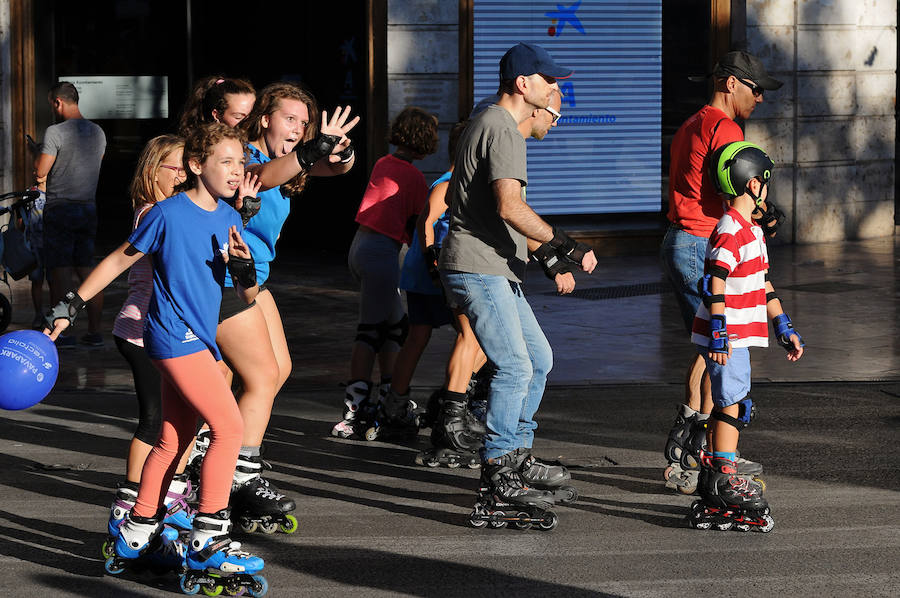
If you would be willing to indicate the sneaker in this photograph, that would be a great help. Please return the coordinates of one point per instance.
(92, 340)
(65, 342)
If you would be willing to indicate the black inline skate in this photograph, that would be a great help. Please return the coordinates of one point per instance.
(255, 501)
(359, 411)
(545, 476)
(728, 500)
(145, 544)
(215, 564)
(395, 417)
(504, 498)
(456, 438)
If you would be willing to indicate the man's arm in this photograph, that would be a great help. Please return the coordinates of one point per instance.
(42, 166)
(565, 281)
(517, 213)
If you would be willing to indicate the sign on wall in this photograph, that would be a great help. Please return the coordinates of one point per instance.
(129, 97)
(604, 155)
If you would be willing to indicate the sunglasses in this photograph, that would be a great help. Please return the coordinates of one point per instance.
(556, 115)
(756, 90)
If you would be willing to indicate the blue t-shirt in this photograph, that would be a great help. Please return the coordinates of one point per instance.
(414, 275)
(185, 242)
(262, 230)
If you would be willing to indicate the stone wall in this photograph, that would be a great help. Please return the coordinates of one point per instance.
(423, 67)
(831, 127)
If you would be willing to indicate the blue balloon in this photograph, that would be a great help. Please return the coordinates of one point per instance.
(29, 366)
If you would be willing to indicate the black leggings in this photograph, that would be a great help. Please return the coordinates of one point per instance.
(147, 388)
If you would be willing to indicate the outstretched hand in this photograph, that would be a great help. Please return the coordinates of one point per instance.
(339, 126)
(249, 187)
(236, 245)
(796, 352)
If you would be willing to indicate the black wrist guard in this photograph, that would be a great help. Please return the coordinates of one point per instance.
(567, 247)
(66, 309)
(315, 149)
(770, 219)
(243, 272)
(346, 154)
(432, 255)
(551, 263)
(249, 208)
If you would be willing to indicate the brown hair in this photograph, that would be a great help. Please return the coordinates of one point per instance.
(453, 139)
(198, 146)
(415, 129)
(143, 184)
(209, 95)
(65, 91)
(268, 102)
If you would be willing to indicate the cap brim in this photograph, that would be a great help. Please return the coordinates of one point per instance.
(557, 72)
(769, 83)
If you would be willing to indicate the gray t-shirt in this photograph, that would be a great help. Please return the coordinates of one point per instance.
(479, 240)
(78, 145)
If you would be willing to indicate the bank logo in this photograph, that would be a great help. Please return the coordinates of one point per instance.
(562, 16)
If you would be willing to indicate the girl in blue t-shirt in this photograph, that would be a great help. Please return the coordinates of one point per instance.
(192, 238)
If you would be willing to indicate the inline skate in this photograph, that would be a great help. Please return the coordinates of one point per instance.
(359, 411)
(178, 513)
(396, 417)
(215, 564)
(145, 544)
(255, 501)
(544, 476)
(456, 438)
(505, 499)
(729, 500)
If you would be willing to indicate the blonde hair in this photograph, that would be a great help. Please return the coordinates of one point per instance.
(143, 184)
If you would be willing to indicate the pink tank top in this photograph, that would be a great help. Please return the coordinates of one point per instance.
(129, 324)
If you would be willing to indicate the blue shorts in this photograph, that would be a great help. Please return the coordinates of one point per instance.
(427, 310)
(730, 382)
(682, 256)
(69, 231)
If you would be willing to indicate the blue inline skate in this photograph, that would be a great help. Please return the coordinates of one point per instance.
(146, 544)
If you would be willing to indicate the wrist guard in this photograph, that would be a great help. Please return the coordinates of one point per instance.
(243, 272)
(249, 208)
(784, 329)
(550, 262)
(66, 309)
(315, 149)
(568, 248)
(346, 154)
(770, 219)
(718, 334)
(432, 254)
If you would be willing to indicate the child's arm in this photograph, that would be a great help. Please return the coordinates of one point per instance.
(63, 315)
(718, 352)
(241, 266)
(434, 207)
(785, 334)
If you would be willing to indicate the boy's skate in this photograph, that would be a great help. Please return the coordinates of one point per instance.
(457, 438)
(145, 544)
(544, 476)
(504, 498)
(395, 417)
(256, 503)
(728, 500)
(359, 411)
(214, 563)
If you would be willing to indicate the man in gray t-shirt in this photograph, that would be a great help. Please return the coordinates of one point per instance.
(482, 264)
(69, 163)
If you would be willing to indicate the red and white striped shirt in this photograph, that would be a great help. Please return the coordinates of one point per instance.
(129, 323)
(740, 248)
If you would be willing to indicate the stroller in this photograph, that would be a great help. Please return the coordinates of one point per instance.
(14, 259)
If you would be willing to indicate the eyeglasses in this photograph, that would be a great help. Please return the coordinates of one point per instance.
(756, 90)
(178, 169)
(556, 115)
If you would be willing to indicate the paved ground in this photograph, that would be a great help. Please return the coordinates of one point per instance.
(374, 524)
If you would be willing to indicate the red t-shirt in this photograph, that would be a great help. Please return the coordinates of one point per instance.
(694, 203)
(395, 193)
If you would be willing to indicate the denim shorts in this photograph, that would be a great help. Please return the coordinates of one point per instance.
(682, 256)
(730, 382)
(69, 231)
(428, 310)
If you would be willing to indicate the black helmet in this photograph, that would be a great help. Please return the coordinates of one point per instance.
(734, 164)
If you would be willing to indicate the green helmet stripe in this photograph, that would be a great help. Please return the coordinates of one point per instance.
(724, 158)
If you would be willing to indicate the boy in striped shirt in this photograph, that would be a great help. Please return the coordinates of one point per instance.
(738, 298)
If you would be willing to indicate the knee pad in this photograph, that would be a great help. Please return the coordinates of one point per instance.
(746, 413)
(398, 331)
(373, 335)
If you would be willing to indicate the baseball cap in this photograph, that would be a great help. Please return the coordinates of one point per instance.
(528, 59)
(745, 66)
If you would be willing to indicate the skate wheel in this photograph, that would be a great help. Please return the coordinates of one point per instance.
(431, 463)
(453, 464)
(549, 521)
(290, 524)
(496, 521)
(112, 567)
(248, 526)
(476, 521)
(107, 550)
(188, 586)
(372, 433)
(700, 524)
(769, 524)
(213, 591)
(724, 526)
(269, 527)
(743, 527)
(520, 524)
(667, 472)
(260, 586)
(474, 465)
(239, 591)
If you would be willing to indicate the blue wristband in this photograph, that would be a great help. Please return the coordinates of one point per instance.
(718, 334)
(784, 328)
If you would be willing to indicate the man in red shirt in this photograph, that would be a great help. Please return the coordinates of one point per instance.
(694, 209)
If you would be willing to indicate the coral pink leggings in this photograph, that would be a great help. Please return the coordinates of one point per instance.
(192, 386)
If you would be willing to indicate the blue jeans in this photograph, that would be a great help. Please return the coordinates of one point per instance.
(682, 256)
(513, 340)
